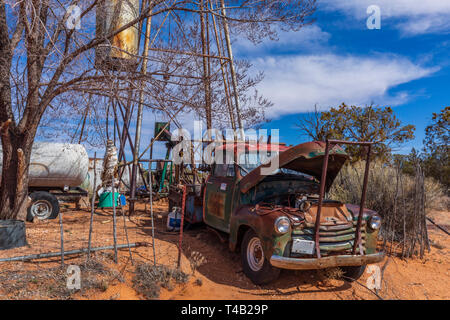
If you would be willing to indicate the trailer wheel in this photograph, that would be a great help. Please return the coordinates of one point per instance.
(353, 273)
(254, 264)
(44, 206)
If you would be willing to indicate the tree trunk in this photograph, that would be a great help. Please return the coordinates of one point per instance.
(14, 180)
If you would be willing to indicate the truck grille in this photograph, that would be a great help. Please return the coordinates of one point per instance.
(333, 239)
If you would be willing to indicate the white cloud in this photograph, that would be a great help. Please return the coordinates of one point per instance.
(296, 83)
(309, 38)
(411, 17)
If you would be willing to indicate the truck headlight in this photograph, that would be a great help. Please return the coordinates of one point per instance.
(375, 222)
(282, 224)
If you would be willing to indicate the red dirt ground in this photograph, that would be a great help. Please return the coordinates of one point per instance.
(220, 274)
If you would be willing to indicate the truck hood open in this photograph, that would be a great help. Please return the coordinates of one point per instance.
(306, 158)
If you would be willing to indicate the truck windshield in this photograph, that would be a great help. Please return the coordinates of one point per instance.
(251, 160)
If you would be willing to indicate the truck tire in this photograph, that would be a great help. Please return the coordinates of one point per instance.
(254, 264)
(353, 273)
(43, 206)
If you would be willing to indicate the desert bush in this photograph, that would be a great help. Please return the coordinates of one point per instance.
(149, 279)
(400, 199)
(382, 187)
(325, 275)
(51, 283)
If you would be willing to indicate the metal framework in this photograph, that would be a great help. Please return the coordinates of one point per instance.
(329, 146)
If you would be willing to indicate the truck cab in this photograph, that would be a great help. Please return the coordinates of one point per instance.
(267, 199)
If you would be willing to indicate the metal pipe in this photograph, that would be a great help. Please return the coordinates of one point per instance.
(137, 140)
(155, 160)
(357, 241)
(114, 219)
(84, 119)
(122, 146)
(151, 152)
(233, 71)
(126, 120)
(206, 83)
(321, 194)
(70, 252)
(126, 233)
(62, 237)
(194, 54)
(159, 134)
(322, 191)
(437, 226)
(151, 204)
(360, 143)
(225, 81)
(163, 176)
(183, 207)
(92, 206)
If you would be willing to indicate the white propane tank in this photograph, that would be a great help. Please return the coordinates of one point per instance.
(174, 219)
(56, 164)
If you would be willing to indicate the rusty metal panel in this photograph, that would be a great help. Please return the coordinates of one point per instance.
(121, 50)
(307, 158)
(325, 262)
(216, 203)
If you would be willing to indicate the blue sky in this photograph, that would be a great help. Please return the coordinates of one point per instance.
(405, 64)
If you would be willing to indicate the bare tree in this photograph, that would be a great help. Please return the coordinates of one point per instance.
(313, 127)
(41, 59)
(48, 72)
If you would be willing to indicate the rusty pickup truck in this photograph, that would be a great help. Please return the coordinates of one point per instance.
(281, 220)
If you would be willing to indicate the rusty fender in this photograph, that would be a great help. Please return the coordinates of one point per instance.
(263, 225)
(325, 262)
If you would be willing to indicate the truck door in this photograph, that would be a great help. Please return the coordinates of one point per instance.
(218, 197)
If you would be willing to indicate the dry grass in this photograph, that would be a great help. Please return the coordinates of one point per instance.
(381, 189)
(51, 283)
(149, 279)
(328, 274)
(400, 199)
(196, 259)
(36, 284)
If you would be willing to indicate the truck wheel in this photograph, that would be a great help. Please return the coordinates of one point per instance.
(254, 264)
(353, 273)
(44, 206)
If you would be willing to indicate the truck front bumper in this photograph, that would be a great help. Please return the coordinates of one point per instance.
(325, 262)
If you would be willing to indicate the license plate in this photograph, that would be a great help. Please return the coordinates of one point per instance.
(303, 246)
